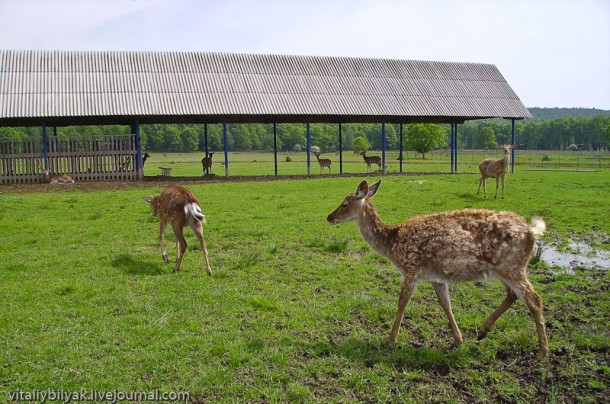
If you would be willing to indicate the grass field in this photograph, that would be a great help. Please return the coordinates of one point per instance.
(296, 309)
(262, 164)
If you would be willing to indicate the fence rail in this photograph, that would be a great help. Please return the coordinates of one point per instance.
(108, 157)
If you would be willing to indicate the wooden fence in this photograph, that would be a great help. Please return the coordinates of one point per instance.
(109, 157)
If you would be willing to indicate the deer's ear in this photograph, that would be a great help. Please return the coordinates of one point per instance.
(373, 189)
(148, 199)
(362, 190)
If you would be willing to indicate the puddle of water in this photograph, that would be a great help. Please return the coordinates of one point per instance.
(579, 254)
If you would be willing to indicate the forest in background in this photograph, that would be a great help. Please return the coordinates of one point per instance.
(549, 129)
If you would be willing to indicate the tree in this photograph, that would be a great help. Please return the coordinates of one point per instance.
(486, 138)
(423, 137)
(360, 144)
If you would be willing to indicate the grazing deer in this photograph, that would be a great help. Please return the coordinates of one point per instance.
(495, 168)
(456, 246)
(180, 208)
(323, 163)
(371, 160)
(56, 178)
(207, 163)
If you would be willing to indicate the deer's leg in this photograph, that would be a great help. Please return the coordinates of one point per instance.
(497, 183)
(502, 178)
(480, 183)
(533, 301)
(161, 231)
(508, 301)
(180, 240)
(198, 230)
(442, 293)
(406, 290)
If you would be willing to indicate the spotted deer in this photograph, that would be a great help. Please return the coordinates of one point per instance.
(56, 178)
(180, 208)
(207, 163)
(323, 163)
(371, 160)
(456, 246)
(495, 168)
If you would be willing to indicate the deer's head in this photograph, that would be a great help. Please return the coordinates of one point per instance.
(352, 205)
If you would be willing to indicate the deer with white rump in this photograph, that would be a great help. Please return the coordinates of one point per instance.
(180, 208)
(495, 168)
(323, 163)
(449, 247)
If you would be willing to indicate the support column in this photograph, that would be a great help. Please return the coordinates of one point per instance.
(512, 152)
(400, 148)
(452, 147)
(340, 150)
(383, 145)
(308, 148)
(225, 141)
(135, 128)
(45, 146)
(205, 138)
(275, 147)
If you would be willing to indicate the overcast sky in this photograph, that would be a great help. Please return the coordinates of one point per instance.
(553, 53)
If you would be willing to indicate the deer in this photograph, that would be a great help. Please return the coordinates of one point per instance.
(207, 163)
(180, 208)
(449, 247)
(56, 178)
(323, 163)
(495, 168)
(371, 160)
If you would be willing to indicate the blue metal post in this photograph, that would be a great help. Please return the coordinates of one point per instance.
(340, 150)
(225, 141)
(451, 146)
(205, 138)
(45, 145)
(308, 148)
(512, 152)
(455, 142)
(383, 144)
(400, 148)
(136, 130)
(275, 147)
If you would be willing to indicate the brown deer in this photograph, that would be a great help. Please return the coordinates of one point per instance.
(449, 247)
(207, 163)
(180, 208)
(56, 178)
(323, 163)
(371, 160)
(495, 168)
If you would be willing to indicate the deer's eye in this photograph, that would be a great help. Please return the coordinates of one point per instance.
(344, 204)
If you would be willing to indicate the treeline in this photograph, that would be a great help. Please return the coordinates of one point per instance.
(557, 134)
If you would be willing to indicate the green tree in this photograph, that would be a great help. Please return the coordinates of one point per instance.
(487, 138)
(360, 144)
(423, 137)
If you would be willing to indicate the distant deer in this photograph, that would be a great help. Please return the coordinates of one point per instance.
(495, 168)
(207, 163)
(323, 163)
(449, 247)
(56, 178)
(371, 160)
(180, 208)
(49, 178)
(145, 157)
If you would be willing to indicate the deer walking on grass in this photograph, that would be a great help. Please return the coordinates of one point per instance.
(371, 160)
(449, 247)
(495, 168)
(206, 162)
(180, 208)
(323, 163)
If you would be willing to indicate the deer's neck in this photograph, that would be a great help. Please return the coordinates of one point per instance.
(506, 162)
(379, 235)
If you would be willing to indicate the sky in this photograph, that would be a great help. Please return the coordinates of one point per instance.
(553, 53)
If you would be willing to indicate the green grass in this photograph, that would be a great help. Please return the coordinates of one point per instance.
(296, 309)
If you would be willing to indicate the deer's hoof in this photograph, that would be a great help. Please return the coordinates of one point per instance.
(166, 258)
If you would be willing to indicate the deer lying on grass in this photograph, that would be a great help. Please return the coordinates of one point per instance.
(495, 168)
(56, 178)
(323, 163)
(180, 208)
(207, 163)
(456, 246)
(371, 160)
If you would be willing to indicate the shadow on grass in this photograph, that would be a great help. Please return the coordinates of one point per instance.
(127, 264)
(402, 358)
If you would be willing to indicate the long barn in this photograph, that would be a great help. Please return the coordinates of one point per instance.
(62, 88)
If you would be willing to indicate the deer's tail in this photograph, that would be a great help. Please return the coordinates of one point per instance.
(194, 210)
(537, 227)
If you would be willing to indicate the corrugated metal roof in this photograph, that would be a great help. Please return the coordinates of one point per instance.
(68, 87)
